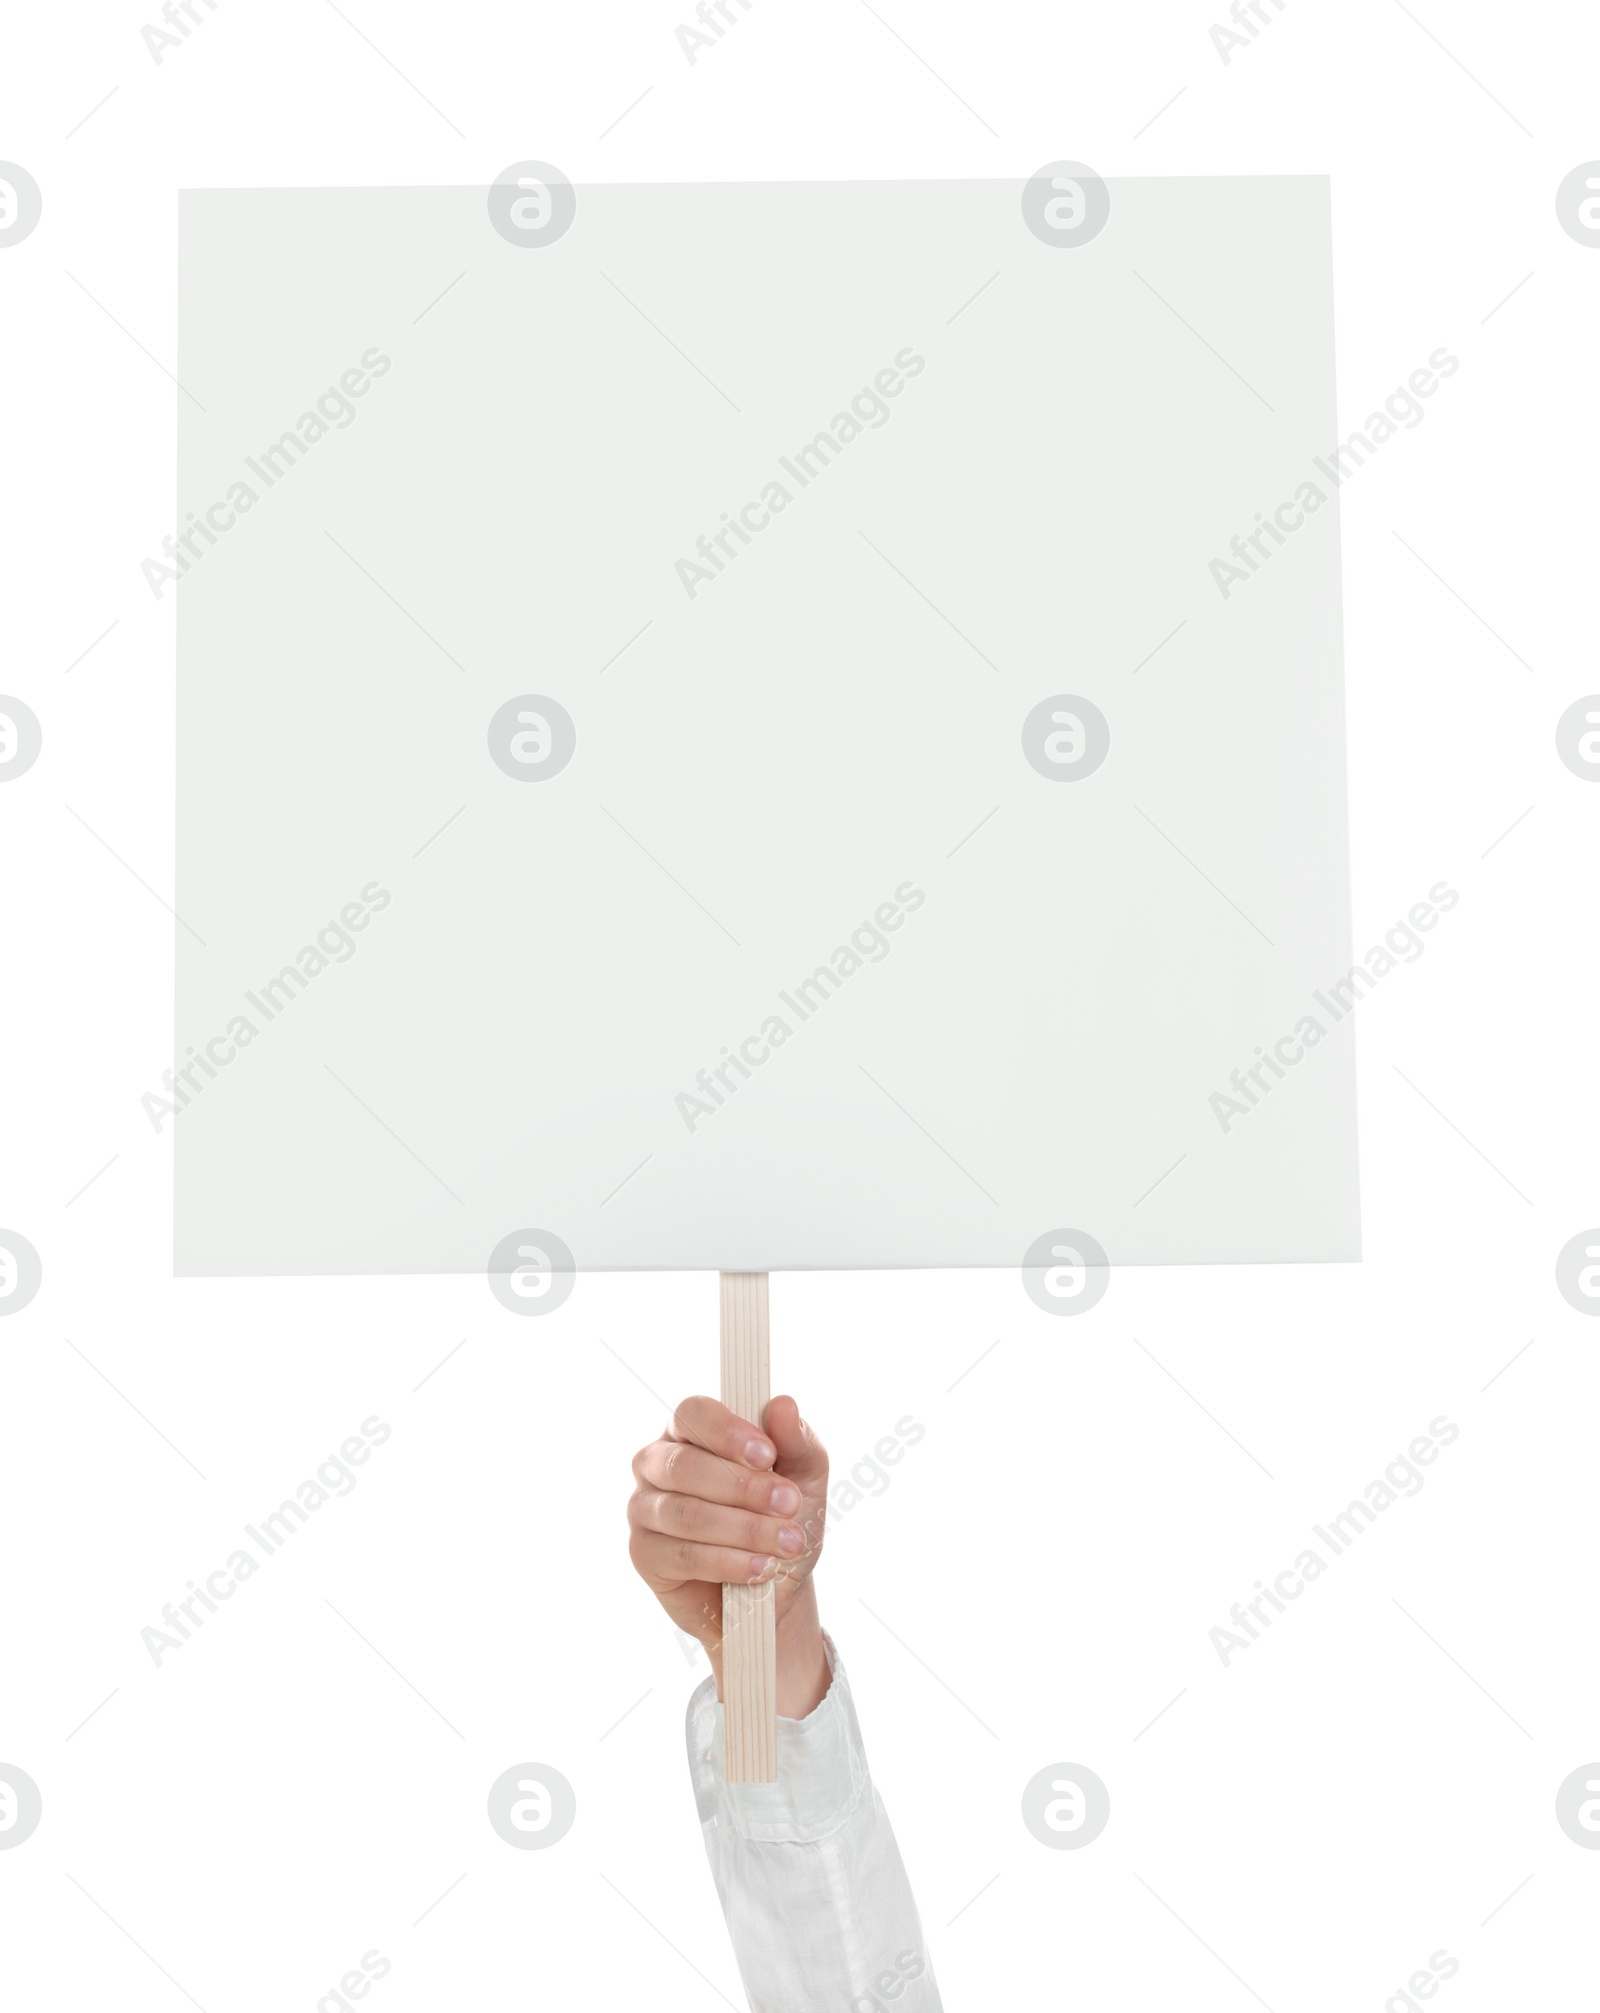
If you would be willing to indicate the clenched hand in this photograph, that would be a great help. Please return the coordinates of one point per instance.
(717, 1499)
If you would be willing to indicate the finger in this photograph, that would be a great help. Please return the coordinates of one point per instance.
(712, 1426)
(688, 1470)
(715, 1524)
(801, 1454)
(671, 1561)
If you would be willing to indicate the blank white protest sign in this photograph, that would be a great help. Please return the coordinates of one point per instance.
(772, 527)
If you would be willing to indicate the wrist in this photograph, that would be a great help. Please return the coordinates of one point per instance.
(803, 1673)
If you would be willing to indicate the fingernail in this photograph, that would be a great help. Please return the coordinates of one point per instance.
(785, 1498)
(791, 1542)
(759, 1567)
(760, 1453)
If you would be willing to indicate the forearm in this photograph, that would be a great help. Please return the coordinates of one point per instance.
(818, 1906)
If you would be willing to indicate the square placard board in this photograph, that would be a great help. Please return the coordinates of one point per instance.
(753, 734)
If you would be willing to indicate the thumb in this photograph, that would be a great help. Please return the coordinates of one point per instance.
(801, 1455)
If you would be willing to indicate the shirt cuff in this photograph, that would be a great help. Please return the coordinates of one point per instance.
(822, 1767)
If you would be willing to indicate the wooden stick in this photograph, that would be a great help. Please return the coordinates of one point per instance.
(749, 1614)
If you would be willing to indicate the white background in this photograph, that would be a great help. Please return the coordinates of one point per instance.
(1366, 1785)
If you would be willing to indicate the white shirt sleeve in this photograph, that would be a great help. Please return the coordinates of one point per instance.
(817, 1902)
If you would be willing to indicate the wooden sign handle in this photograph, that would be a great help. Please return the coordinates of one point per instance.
(749, 1614)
